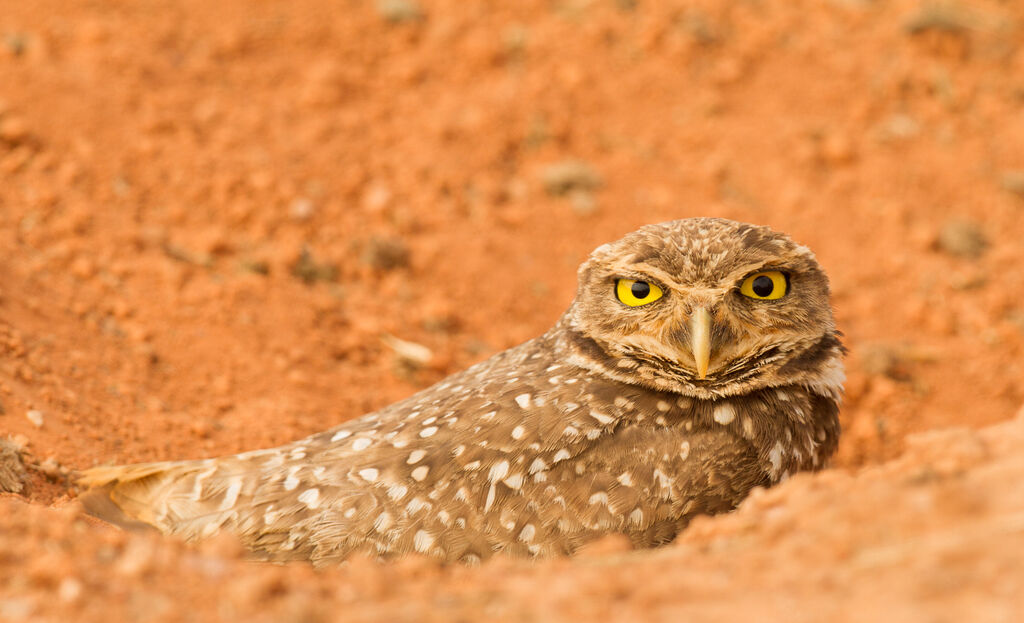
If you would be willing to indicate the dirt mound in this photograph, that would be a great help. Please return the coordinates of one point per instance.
(226, 226)
(935, 535)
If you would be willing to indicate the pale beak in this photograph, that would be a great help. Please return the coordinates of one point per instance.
(700, 340)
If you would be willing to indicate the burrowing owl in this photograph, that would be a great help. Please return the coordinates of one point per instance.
(698, 360)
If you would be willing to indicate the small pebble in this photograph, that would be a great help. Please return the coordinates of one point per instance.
(398, 11)
(13, 130)
(301, 209)
(1013, 182)
(563, 178)
(410, 352)
(36, 417)
(51, 468)
(386, 253)
(308, 269)
(69, 590)
(963, 239)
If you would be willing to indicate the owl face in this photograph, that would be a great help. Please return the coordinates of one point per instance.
(705, 307)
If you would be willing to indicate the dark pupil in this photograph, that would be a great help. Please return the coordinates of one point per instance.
(763, 286)
(640, 289)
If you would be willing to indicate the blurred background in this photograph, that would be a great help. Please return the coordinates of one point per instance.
(228, 225)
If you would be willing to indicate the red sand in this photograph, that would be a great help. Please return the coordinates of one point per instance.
(212, 215)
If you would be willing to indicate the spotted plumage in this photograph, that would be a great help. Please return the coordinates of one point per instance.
(626, 417)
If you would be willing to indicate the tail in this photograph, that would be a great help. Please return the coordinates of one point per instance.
(172, 497)
(257, 496)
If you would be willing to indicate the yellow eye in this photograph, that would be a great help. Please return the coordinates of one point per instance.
(765, 286)
(636, 293)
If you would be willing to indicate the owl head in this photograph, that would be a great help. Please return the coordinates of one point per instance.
(706, 307)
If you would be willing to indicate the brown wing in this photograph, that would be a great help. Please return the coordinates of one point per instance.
(648, 482)
(443, 473)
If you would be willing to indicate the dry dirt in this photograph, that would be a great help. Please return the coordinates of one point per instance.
(216, 218)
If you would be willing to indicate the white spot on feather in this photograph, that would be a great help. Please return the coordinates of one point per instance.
(775, 457)
(310, 497)
(748, 427)
(490, 498)
(420, 473)
(422, 541)
(197, 488)
(518, 432)
(601, 417)
(415, 505)
(523, 400)
(724, 413)
(275, 460)
(663, 479)
(361, 444)
(382, 522)
(397, 492)
(428, 431)
(369, 474)
(416, 456)
(341, 434)
(527, 533)
(561, 455)
(498, 471)
(231, 495)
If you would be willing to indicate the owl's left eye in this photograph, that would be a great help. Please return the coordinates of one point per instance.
(636, 293)
(768, 285)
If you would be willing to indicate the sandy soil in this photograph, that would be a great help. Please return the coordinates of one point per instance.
(215, 218)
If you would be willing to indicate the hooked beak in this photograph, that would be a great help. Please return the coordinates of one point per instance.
(700, 340)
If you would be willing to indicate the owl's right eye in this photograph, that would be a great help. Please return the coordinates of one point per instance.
(636, 293)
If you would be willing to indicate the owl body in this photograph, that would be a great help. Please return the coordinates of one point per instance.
(604, 424)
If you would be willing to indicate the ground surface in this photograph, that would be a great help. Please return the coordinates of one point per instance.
(214, 218)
